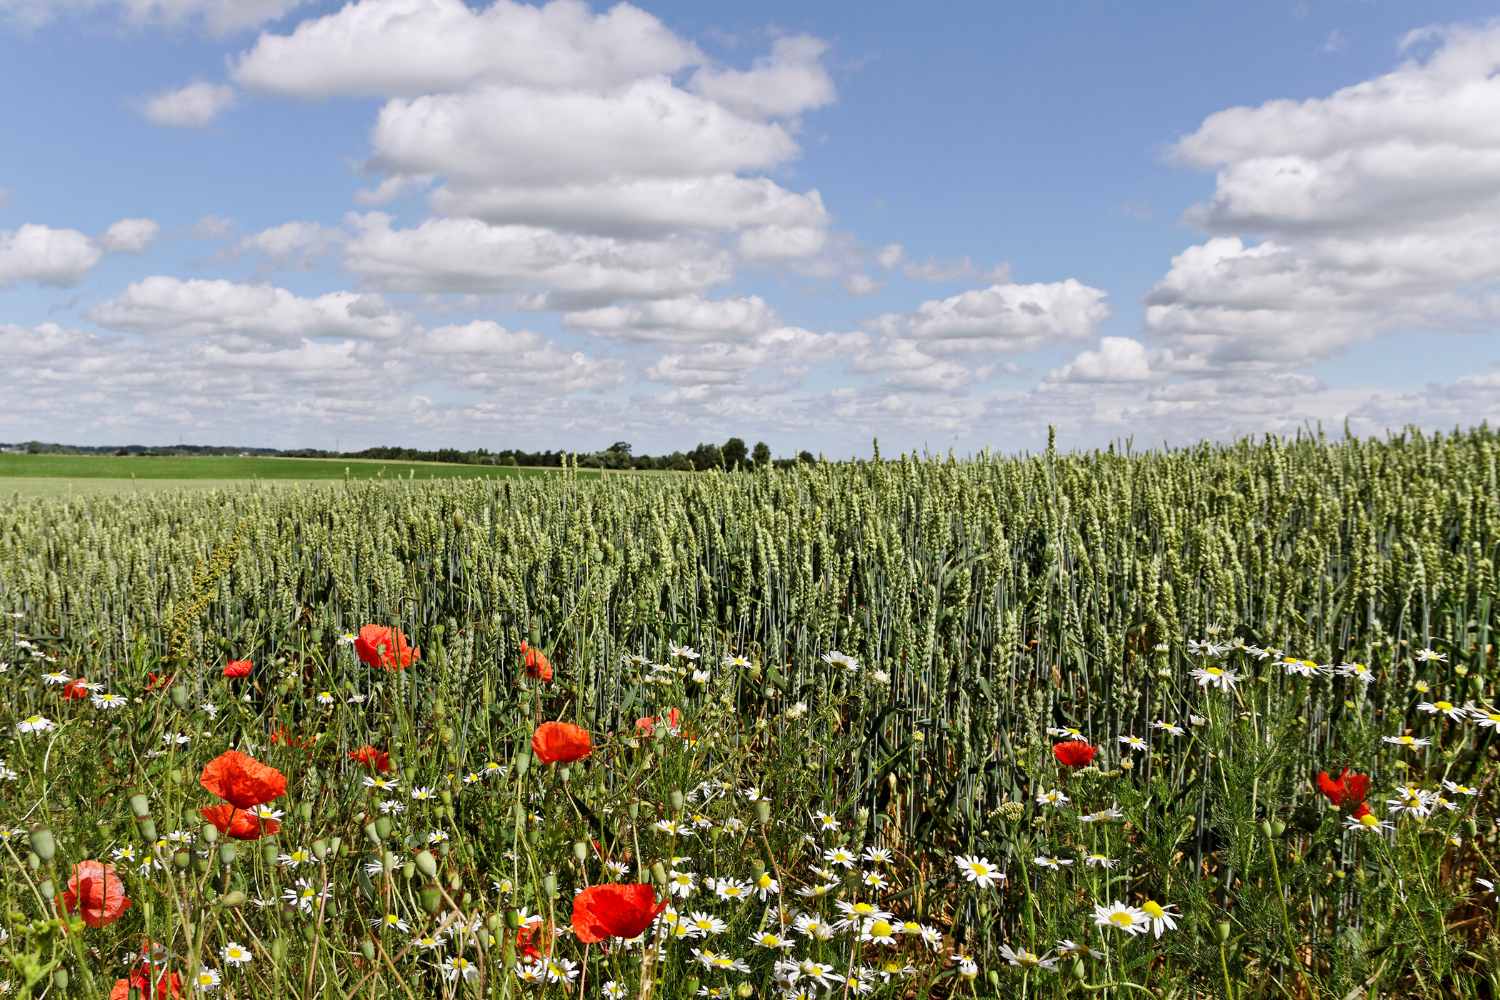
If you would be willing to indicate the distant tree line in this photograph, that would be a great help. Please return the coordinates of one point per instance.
(731, 455)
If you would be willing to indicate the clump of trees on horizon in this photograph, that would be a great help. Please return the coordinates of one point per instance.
(731, 455)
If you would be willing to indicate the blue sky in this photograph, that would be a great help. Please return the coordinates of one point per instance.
(259, 222)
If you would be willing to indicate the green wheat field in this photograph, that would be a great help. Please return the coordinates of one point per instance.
(1215, 722)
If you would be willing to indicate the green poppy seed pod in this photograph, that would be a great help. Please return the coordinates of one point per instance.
(431, 898)
(278, 949)
(209, 833)
(1221, 931)
(715, 834)
(48, 892)
(233, 900)
(147, 826)
(580, 851)
(640, 604)
(309, 932)
(43, 843)
(179, 695)
(367, 949)
(268, 854)
(1277, 828)
(690, 986)
(763, 812)
(200, 863)
(1476, 683)
(320, 848)
(372, 834)
(549, 886)
(443, 848)
(426, 864)
(513, 919)
(446, 797)
(634, 809)
(659, 873)
(521, 763)
(140, 805)
(227, 854)
(492, 922)
(304, 810)
(466, 901)
(181, 859)
(536, 637)
(675, 798)
(409, 870)
(60, 979)
(336, 844)
(383, 827)
(757, 869)
(455, 881)
(660, 734)
(177, 776)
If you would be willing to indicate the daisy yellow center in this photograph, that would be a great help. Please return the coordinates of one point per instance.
(1212, 670)
(1444, 706)
(1154, 909)
(1369, 819)
(863, 908)
(980, 869)
(732, 890)
(764, 881)
(683, 880)
(1308, 663)
(880, 929)
(1121, 919)
(704, 925)
(769, 939)
(205, 979)
(1493, 717)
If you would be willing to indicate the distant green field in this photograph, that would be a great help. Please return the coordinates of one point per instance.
(231, 468)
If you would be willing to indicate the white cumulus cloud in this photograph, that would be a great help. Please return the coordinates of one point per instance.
(192, 106)
(786, 82)
(47, 256)
(128, 236)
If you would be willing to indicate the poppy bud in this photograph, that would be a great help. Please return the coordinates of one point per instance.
(1265, 829)
(320, 849)
(512, 919)
(534, 837)
(521, 763)
(508, 954)
(209, 833)
(409, 870)
(994, 978)
(278, 949)
(309, 932)
(60, 979)
(715, 834)
(336, 844)
(580, 851)
(1078, 971)
(371, 834)
(48, 892)
(446, 796)
(564, 773)
(227, 854)
(233, 900)
(176, 776)
(492, 922)
(367, 949)
(1277, 828)
(466, 901)
(268, 854)
(43, 843)
(431, 898)
(383, 827)
(147, 826)
(443, 848)
(179, 695)
(455, 881)
(675, 798)
(634, 809)
(426, 864)
(140, 806)
(1221, 931)
(549, 886)
(763, 812)
(304, 810)
(659, 873)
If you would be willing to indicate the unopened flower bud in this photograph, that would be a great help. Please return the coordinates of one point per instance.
(209, 833)
(409, 870)
(227, 854)
(659, 873)
(43, 843)
(383, 827)
(233, 900)
(367, 949)
(60, 979)
(140, 805)
(179, 695)
(1078, 971)
(763, 812)
(426, 864)
(320, 848)
(521, 763)
(48, 892)
(1221, 931)
(675, 798)
(580, 851)
(549, 886)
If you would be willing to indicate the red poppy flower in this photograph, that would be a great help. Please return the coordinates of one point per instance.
(622, 911)
(242, 780)
(1347, 790)
(536, 663)
(533, 941)
(369, 756)
(154, 681)
(380, 646)
(1074, 753)
(560, 743)
(649, 722)
(96, 892)
(141, 979)
(237, 668)
(1363, 810)
(241, 824)
(77, 689)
